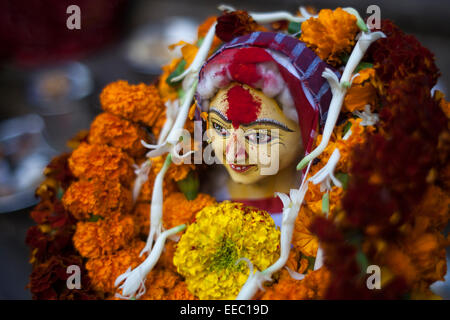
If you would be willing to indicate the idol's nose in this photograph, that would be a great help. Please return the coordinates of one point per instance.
(235, 149)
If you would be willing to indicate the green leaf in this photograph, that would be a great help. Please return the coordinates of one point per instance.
(294, 27)
(178, 70)
(346, 84)
(181, 94)
(95, 218)
(199, 42)
(189, 186)
(59, 193)
(326, 203)
(343, 178)
(344, 58)
(311, 262)
(363, 65)
(362, 261)
(347, 127)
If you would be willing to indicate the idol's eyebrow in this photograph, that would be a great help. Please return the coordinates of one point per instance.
(220, 114)
(271, 122)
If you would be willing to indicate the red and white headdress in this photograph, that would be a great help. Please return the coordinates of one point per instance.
(282, 67)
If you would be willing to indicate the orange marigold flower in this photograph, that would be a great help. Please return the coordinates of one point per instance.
(116, 132)
(313, 286)
(105, 236)
(138, 103)
(331, 34)
(85, 198)
(362, 92)
(101, 162)
(303, 239)
(141, 217)
(296, 261)
(175, 172)
(178, 210)
(169, 186)
(159, 282)
(166, 91)
(435, 207)
(188, 51)
(103, 271)
(80, 137)
(204, 27)
(180, 292)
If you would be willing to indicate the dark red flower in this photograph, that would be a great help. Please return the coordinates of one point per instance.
(48, 280)
(234, 24)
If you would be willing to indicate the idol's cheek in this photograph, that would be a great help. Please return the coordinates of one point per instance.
(218, 145)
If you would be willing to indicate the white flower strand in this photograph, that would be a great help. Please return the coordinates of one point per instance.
(295, 275)
(173, 137)
(141, 173)
(324, 177)
(172, 108)
(291, 208)
(368, 118)
(268, 17)
(339, 89)
(134, 280)
(156, 207)
(201, 55)
(191, 73)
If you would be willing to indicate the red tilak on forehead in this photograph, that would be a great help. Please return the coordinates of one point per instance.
(242, 106)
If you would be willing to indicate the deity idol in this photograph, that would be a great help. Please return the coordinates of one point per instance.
(264, 94)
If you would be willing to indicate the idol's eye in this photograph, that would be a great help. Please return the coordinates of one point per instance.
(259, 137)
(220, 130)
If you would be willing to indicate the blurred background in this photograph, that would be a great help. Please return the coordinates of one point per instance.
(50, 79)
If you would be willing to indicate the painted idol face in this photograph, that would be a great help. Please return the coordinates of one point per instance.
(250, 134)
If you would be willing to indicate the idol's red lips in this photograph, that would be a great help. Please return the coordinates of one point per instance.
(240, 168)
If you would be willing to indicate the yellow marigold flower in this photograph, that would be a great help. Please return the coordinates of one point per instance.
(105, 236)
(313, 286)
(331, 34)
(138, 103)
(178, 210)
(103, 271)
(116, 132)
(85, 198)
(207, 252)
(101, 162)
(362, 92)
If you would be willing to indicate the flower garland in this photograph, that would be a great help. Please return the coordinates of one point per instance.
(385, 201)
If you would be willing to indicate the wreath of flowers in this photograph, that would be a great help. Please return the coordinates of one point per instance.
(376, 194)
